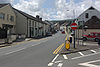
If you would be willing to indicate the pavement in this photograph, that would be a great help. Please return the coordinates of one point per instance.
(86, 55)
(20, 41)
(81, 46)
(89, 59)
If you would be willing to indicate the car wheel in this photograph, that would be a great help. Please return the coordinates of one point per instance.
(84, 38)
(96, 39)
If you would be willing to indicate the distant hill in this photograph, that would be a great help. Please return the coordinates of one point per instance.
(62, 22)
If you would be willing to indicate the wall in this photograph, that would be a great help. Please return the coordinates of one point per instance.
(7, 10)
(91, 13)
(21, 24)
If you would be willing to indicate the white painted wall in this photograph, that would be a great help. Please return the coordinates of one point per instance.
(90, 12)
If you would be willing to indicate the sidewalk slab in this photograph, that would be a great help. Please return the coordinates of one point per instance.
(87, 46)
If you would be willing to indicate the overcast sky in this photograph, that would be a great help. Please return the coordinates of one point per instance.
(54, 9)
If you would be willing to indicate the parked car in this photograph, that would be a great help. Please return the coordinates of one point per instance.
(92, 36)
(63, 32)
(49, 34)
(99, 41)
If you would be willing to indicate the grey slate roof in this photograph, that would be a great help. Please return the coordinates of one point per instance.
(2, 5)
(93, 23)
(25, 14)
(28, 16)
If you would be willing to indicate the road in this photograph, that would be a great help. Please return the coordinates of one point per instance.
(89, 58)
(31, 54)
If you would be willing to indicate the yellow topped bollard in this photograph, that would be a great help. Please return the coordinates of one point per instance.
(67, 44)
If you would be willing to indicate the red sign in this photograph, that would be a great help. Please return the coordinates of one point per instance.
(74, 26)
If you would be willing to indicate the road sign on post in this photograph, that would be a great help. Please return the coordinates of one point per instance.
(74, 27)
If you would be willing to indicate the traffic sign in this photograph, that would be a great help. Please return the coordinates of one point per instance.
(74, 26)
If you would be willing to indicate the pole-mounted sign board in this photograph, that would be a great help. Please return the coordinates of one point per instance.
(74, 26)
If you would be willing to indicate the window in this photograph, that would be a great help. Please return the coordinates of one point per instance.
(33, 23)
(2, 16)
(7, 17)
(86, 15)
(11, 18)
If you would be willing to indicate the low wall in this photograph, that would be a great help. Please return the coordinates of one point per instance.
(10, 39)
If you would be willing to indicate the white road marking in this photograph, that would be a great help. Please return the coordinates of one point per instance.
(85, 55)
(58, 61)
(60, 64)
(81, 53)
(50, 64)
(14, 51)
(23, 48)
(93, 51)
(89, 64)
(55, 58)
(65, 57)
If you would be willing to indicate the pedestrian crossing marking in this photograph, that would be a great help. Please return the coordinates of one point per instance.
(60, 64)
(50, 64)
(65, 57)
(93, 51)
(81, 53)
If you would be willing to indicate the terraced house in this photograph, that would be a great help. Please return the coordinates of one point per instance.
(7, 20)
(28, 25)
(20, 23)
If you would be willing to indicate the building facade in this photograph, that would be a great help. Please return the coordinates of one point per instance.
(28, 25)
(7, 22)
(86, 15)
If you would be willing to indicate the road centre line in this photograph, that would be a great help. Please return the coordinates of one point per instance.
(85, 55)
(60, 64)
(93, 51)
(23, 48)
(81, 53)
(14, 51)
(65, 57)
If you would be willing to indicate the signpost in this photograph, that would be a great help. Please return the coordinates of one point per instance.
(74, 27)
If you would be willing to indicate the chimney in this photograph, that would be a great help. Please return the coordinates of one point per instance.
(40, 19)
(37, 16)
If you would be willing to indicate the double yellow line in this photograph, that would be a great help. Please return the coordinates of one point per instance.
(58, 49)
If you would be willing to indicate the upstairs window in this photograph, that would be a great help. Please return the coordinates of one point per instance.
(2, 16)
(12, 18)
(86, 15)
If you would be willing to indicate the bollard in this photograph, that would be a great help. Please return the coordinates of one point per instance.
(67, 44)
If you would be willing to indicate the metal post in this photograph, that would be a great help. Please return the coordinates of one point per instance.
(82, 29)
(78, 36)
(74, 38)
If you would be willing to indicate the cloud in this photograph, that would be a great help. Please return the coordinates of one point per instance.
(6, 1)
(64, 9)
(32, 7)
